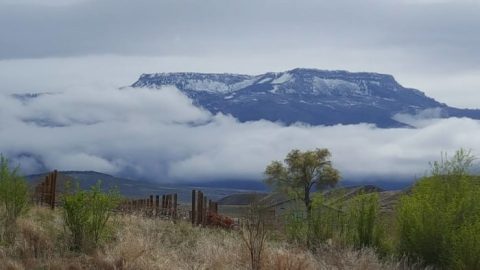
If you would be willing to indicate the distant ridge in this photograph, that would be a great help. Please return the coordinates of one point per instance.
(133, 188)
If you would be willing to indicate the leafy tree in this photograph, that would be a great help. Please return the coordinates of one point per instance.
(302, 171)
(14, 198)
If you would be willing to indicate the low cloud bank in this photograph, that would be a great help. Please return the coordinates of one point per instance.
(159, 135)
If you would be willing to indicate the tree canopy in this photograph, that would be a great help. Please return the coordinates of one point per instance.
(301, 171)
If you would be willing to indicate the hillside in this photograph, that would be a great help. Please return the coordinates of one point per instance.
(241, 198)
(339, 195)
(133, 188)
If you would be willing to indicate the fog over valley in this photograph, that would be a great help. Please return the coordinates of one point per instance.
(159, 135)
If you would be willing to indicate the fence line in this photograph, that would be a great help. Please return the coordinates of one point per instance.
(150, 207)
(45, 191)
(203, 211)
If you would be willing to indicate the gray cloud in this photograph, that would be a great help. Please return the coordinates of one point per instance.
(159, 135)
(432, 30)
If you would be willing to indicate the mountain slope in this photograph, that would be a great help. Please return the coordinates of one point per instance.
(311, 96)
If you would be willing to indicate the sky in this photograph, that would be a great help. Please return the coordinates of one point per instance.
(82, 51)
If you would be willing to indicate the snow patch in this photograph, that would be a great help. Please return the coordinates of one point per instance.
(327, 86)
(264, 80)
(213, 86)
(242, 84)
(207, 85)
(274, 90)
(285, 77)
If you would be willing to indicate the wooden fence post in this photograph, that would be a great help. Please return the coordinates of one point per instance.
(199, 208)
(204, 211)
(150, 210)
(167, 205)
(53, 189)
(175, 205)
(40, 193)
(46, 190)
(163, 204)
(194, 200)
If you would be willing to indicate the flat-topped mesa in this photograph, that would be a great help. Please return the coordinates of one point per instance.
(298, 80)
(312, 96)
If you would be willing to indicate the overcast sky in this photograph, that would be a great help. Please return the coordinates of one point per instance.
(431, 45)
(85, 47)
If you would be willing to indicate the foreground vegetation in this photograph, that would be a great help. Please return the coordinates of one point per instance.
(435, 225)
(136, 242)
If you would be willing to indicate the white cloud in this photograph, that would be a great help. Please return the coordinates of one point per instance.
(159, 135)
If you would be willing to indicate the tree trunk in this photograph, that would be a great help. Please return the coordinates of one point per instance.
(308, 202)
(308, 206)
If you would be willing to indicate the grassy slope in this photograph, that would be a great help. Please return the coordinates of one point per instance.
(143, 243)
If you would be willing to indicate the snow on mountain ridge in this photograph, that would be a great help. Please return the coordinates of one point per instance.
(313, 81)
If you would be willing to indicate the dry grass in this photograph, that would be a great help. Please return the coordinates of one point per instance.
(143, 243)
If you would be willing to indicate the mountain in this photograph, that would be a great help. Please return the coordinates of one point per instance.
(315, 97)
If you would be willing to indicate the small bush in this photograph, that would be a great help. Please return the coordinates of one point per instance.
(14, 199)
(86, 213)
(254, 233)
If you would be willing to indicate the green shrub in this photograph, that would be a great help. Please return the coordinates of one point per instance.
(466, 247)
(323, 223)
(295, 225)
(327, 221)
(349, 223)
(364, 227)
(440, 217)
(14, 199)
(86, 213)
